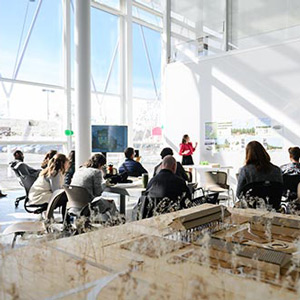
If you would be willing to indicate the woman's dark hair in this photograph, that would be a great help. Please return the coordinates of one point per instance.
(96, 161)
(166, 151)
(184, 138)
(257, 155)
(48, 156)
(18, 154)
(129, 152)
(55, 164)
(294, 153)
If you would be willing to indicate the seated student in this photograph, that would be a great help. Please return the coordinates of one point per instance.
(258, 167)
(71, 168)
(90, 177)
(166, 183)
(132, 167)
(20, 168)
(292, 168)
(179, 170)
(48, 156)
(50, 179)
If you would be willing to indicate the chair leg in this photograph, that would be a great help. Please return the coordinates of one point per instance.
(18, 200)
(14, 240)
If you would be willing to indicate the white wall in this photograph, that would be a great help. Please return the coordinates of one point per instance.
(263, 82)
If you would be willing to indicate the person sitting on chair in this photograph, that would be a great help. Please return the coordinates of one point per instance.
(258, 167)
(166, 183)
(50, 179)
(179, 169)
(132, 167)
(90, 177)
(292, 168)
(20, 168)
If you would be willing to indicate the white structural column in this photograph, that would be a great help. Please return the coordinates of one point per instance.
(82, 81)
(165, 59)
(166, 36)
(226, 27)
(67, 68)
(126, 66)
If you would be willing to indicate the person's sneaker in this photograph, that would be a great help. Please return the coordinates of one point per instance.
(2, 195)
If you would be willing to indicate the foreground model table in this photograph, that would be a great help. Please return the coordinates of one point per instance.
(131, 261)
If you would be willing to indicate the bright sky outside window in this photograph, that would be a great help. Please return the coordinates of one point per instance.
(146, 68)
(38, 58)
(105, 51)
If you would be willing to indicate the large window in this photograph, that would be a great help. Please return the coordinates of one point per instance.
(205, 27)
(105, 69)
(31, 40)
(33, 98)
(147, 132)
(197, 28)
(146, 62)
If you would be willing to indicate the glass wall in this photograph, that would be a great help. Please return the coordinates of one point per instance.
(32, 93)
(204, 27)
(105, 68)
(197, 28)
(263, 22)
(147, 133)
(33, 105)
(31, 41)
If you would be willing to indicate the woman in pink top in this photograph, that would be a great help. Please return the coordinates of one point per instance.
(186, 150)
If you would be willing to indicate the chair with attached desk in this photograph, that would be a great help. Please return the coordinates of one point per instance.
(290, 186)
(290, 192)
(81, 204)
(270, 192)
(216, 182)
(78, 199)
(46, 226)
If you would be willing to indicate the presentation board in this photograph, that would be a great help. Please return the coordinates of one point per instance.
(236, 134)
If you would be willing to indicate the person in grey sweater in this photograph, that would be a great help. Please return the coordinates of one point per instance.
(258, 167)
(90, 177)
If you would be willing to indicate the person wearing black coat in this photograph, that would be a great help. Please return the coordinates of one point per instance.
(166, 183)
(179, 169)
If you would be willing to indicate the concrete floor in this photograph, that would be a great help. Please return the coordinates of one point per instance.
(10, 215)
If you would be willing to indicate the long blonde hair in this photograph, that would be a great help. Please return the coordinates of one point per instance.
(55, 164)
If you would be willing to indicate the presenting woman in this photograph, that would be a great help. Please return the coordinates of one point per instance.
(187, 150)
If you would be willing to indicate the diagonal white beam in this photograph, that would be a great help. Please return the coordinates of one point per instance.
(148, 60)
